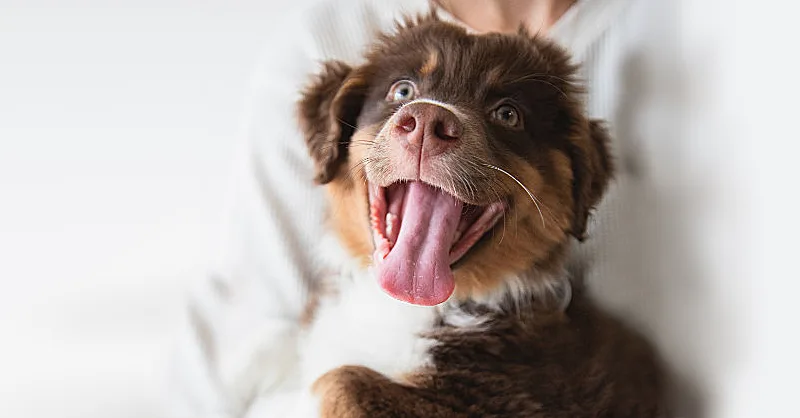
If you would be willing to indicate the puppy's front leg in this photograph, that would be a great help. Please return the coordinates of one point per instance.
(360, 392)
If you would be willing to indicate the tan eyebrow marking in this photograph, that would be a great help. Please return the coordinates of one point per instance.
(430, 64)
(494, 76)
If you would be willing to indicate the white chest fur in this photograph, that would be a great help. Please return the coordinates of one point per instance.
(361, 325)
(364, 326)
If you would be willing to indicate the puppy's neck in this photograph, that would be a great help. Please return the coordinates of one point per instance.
(525, 292)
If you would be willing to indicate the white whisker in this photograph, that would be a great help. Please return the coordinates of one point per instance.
(533, 198)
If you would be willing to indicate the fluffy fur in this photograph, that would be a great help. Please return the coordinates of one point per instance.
(514, 339)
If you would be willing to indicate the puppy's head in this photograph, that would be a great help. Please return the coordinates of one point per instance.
(455, 161)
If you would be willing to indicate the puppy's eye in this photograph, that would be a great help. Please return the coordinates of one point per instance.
(507, 115)
(401, 91)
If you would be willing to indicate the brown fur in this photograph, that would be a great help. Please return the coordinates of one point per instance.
(527, 362)
(324, 110)
(579, 363)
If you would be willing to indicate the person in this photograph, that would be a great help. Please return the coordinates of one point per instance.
(249, 310)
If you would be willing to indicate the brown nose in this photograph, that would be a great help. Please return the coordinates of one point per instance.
(427, 126)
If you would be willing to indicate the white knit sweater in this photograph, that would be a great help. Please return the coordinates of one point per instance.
(248, 310)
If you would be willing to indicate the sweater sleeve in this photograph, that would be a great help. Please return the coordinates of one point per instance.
(241, 322)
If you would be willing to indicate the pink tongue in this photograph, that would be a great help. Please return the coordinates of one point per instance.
(417, 269)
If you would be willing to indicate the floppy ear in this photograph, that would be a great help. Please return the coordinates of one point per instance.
(327, 111)
(592, 169)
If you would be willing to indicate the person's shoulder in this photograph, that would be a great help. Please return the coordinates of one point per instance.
(340, 29)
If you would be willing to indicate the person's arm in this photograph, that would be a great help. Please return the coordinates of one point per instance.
(241, 321)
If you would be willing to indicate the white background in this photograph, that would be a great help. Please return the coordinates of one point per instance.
(118, 124)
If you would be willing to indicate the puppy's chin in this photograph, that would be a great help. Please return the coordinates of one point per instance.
(428, 246)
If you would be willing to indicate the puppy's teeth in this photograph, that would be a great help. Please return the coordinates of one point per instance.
(382, 248)
(458, 236)
(390, 219)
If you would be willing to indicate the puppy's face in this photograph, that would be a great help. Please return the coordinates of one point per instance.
(455, 161)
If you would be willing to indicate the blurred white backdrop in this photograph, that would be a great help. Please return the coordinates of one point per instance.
(118, 123)
(118, 126)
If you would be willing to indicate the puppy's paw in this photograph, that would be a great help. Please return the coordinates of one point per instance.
(345, 392)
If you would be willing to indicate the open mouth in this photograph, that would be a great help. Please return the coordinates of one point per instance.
(420, 231)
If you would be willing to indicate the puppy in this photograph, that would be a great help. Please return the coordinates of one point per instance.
(458, 168)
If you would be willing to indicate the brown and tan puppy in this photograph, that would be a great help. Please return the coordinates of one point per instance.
(459, 167)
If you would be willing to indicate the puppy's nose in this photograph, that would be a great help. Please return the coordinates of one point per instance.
(427, 126)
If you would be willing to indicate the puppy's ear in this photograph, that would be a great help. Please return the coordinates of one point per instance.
(327, 111)
(592, 168)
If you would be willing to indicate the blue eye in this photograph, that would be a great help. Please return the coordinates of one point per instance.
(402, 90)
(507, 115)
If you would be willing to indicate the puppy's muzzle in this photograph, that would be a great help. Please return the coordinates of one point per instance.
(426, 129)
